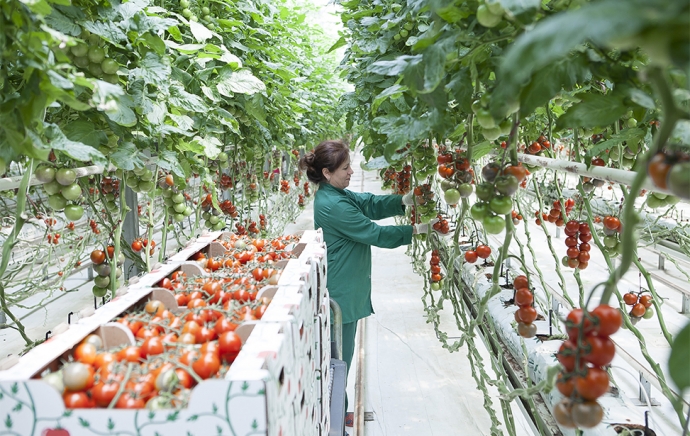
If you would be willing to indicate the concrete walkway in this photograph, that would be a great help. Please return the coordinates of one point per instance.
(413, 386)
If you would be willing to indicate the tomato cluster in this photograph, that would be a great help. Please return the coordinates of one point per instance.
(436, 274)
(139, 243)
(640, 305)
(62, 188)
(284, 186)
(300, 200)
(526, 314)
(441, 225)
(555, 215)
(402, 179)
(516, 217)
(460, 178)
(495, 193)
(612, 228)
(582, 379)
(538, 146)
(671, 170)
(94, 227)
(307, 193)
(481, 251)
(578, 236)
(425, 205)
(102, 265)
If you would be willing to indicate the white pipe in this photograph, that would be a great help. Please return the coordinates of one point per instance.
(623, 177)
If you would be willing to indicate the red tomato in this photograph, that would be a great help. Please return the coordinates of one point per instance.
(592, 385)
(126, 401)
(206, 365)
(638, 310)
(483, 251)
(612, 223)
(574, 321)
(524, 297)
(527, 314)
(565, 386)
(229, 345)
(520, 282)
(607, 320)
(85, 353)
(151, 347)
(470, 256)
(646, 300)
(630, 299)
(598, 351)
(104, 392)
(77, 400)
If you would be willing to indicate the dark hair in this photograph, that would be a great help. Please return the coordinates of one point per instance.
(329, 154)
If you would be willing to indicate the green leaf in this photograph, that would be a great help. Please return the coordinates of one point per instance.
(111, 424)
(461, 89)
(127, 157)
(481, 149)
(8, 421)
(58, 21)
(240, 82)
(210, 146)
(200, 32)
(106, 30)
(377, 163)
(130, 8)
(17, 407)
(631, 136)
(681, 133)
(593, 110)
(154, 42)
(182, 121)
(176, 34)
(339, 43)
(641, 98)
(603, 23)
(434, 59)
(394, 67)
(75, 150)
(184, 100)
(157, 113)
(391, 92)
(679, 358)
(153, 69)
(122, 115)
(83, 422)
(84, 131)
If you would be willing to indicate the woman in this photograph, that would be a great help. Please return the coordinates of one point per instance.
(346, 220)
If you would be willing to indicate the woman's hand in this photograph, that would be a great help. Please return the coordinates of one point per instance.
(424, 228)
(408, 199)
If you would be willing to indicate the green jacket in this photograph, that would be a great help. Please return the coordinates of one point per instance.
(349, 233)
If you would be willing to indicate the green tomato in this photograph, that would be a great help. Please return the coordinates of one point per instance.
(479, 211)
(222, 156)
(146, 185)
(671, 200)
(507, 185)
(205, 215)
(649, 313)
(465, 190)
(179, 207)
(397, 37)
(655, 202)
(632, 123)
(206, 18)
(451, 196)
(213, 219)
(501, 204)
(82, 62)
(186, 13)
(65, 176)
(496, 9)
(404, 33)
(44, 173)
(505, 127)
(564, 260)
(132, 182)
(408, 26)
(205, 10)
(52, 188)
(485, 119)
(99, 292)
(494, 224)
(184, 3)
(96, 55)
(80, 50)
(679, 179)
(177, 198)
(476, 106)
(178, 217)
(71, 192)
(208, 224)
(187, 211)
(111, 206)
(435, 286)
(486, 18)
(57, 202)
(219, 225)
(95, 70)
(109, 66)
(109, 196)
(492, 134)
(485, 191)
(74, 212)
(101, 281)
(610, 241)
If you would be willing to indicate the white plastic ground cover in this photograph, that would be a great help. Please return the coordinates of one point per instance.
(541, 355)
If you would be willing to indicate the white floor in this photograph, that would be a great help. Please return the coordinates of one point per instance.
(413, 386)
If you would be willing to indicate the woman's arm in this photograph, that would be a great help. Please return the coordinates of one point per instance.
(377, 207)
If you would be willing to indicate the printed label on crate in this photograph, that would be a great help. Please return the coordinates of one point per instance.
(33, 408)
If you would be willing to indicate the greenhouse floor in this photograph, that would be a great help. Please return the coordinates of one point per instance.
(412, 384)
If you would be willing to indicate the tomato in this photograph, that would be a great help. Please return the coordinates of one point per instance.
(598, 351)
(471, 256)
(572, 226)
(97, 257)
(211, 347)
(658, 169)
(593, 384)
(565, 386)
(77, 376)
(520, 282)
(630, 299)
(646, 300)
(607, 320)
(229, 345)
(534, 148)
(584, 228)
(527, 330)
(485, 191)
(584, 247)
(479, 211)
(562, 412)
(77, 400)
(151, 347)
(451, 196)
(104, 392)
(483, 251)
(574, 321)
(598, 162)
(638, 310)
(130, 354)
(526, 314)
(184, 379)
(573, 253)
(571, 241)
(583, 257)
(585, 237)
(612, 222)
(206, 365)
(517, 171)
(103, 359)
(85, 353)
(679, 179)
(566, 355)
(127, 401)
(587, 415)
(501, 204)
(154, 307)
(493, 224)
(141, 389)
(524, 297)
